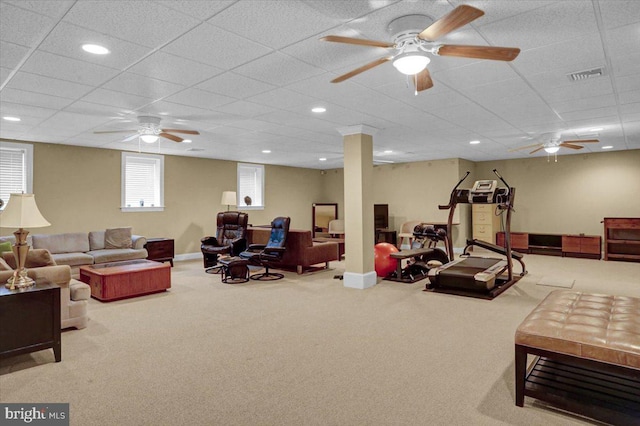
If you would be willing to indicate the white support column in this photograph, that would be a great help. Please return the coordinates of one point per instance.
(358, 207)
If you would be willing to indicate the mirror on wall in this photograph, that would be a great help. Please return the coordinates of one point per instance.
(323, 213)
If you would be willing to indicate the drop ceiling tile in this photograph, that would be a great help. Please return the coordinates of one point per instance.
(216, 47)
(116, 99)
(590, 113)
(4, 74)
(346, 10)
(475, 74)
(199, 9)
(20, 110)
(187, 112)
(498, 10)
(23, 27)
(149, 24)
(200, 99)
(584, 103)
(48, 86)
(284, 99)
(67, 39)
(165, 66)
(107, 112)
(69, 120)
(626, 64)
(11, 54)
(561, 21)
(244, 109)
(253, 124)
(619, 13)
(279, 69)
(33, 99)
(256, 21)
(62, 68)
(630, 97)
(143, 86)
(576, 90)
(235, 85)
(623, 41)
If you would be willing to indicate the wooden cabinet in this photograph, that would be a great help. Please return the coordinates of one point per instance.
(160, 249)
(30, 320)
(622, 238)
(519, 241)
(581, 246)
(485, 222)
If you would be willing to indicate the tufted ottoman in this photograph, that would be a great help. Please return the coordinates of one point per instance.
(589, 355)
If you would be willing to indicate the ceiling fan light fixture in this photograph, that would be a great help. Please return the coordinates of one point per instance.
(551, 149)
(149, 138)
(411, 63)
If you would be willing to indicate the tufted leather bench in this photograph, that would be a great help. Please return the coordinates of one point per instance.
(589, 346)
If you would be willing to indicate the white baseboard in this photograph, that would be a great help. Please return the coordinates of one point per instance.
(187, 256)
(359, 281)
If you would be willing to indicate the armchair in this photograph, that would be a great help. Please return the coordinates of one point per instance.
(266, 255)
(230, 239)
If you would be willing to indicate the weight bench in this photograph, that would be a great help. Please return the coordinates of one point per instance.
(588, 349)
(431, 253)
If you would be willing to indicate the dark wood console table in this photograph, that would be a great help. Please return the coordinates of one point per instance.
(160, 249)
(564, 245)
(30, 320)
(622, 238)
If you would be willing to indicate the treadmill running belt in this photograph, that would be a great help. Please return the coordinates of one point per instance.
(461, 275)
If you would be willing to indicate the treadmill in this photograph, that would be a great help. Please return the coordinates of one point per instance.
(478, 276)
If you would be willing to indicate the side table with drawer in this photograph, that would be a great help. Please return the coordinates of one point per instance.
(160, 249)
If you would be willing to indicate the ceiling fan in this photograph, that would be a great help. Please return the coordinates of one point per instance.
(149, 131)
(411, 45)
(554, 145)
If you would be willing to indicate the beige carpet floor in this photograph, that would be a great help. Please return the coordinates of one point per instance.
(302, 351)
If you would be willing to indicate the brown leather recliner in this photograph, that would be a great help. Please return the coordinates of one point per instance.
(230, 239)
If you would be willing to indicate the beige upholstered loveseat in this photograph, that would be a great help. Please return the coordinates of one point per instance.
(87, 248)
(74, 295)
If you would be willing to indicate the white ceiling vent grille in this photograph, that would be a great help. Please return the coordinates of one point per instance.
(583, 75)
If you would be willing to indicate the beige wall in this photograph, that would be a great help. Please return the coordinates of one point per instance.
(573, 195)
(78, 189)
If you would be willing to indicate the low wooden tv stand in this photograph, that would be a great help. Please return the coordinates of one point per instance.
(565, 245)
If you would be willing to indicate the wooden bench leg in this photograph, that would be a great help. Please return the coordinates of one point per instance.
(521, 371)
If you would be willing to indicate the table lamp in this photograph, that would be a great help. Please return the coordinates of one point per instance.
(21, 212)
(228, 198)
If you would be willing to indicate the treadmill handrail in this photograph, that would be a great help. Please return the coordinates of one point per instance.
(453, 193)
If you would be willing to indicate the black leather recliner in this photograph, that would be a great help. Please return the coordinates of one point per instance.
(230, 239)
(269, 254)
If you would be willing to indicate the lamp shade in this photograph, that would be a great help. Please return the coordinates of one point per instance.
(552, 149)
(149, 138)
(22, 212)
(228, 198)
(410, 63)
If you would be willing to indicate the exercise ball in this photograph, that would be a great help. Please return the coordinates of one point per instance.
(384, 263)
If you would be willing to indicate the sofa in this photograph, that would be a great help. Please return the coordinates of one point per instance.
(301, 251)
(88, 248)
(74, 295)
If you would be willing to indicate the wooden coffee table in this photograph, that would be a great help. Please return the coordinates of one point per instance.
(119, 280)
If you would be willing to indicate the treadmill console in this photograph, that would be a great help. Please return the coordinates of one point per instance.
(483, 191)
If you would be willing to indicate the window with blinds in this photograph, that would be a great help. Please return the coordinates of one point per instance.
(16, 169)
(250, 186)
(142, 182)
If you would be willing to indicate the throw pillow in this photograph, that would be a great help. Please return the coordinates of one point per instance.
(5, 246)
(117, 238)
(36, 258)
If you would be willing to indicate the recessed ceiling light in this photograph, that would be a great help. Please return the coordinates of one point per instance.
(266, 151)
(9, 118)
(322, 159)
(388, 151)
(607, 147)
(318, 109)
(474, 142)
(95, 49)
(187, 141)
(596, 129)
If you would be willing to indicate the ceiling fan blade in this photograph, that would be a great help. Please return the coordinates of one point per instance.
(359, 41)
(172, 137)
(360, 70)
(460, 16)
(115, 131)
(480, 52)
(423, 80)
(582, 141)
(569, 145)
(526, 147)
(188, 132)
(536, 150)
(131, 137)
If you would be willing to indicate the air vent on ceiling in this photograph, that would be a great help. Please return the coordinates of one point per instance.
(583, 75)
